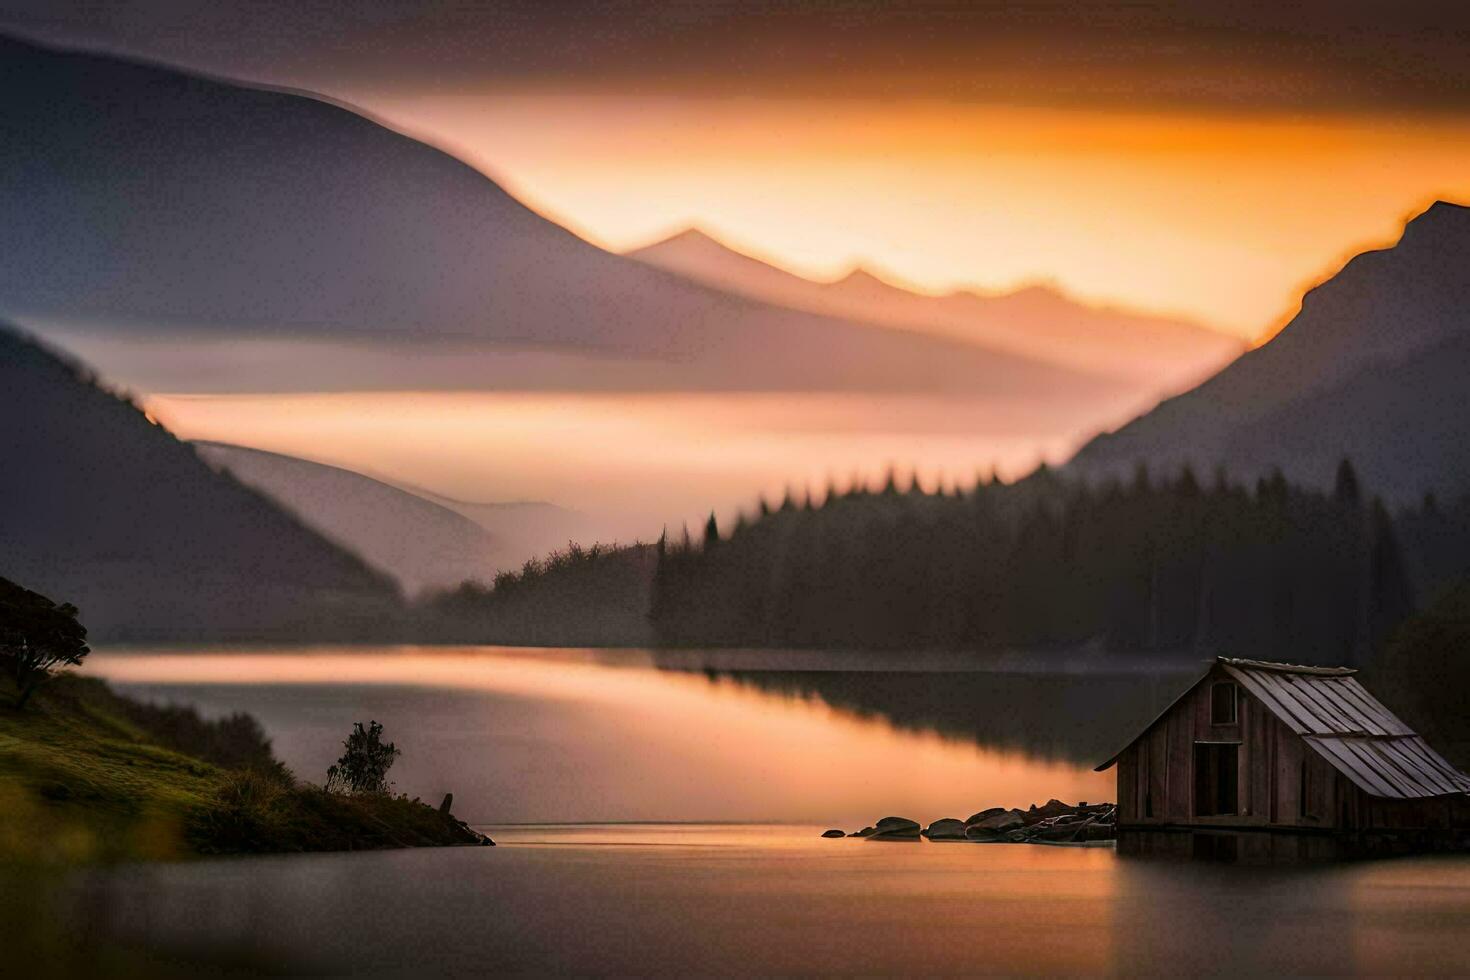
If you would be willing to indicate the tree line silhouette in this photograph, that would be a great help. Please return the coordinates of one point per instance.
(1145, 566)
(575, 596)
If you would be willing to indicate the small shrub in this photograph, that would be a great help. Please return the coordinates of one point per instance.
(364, 765)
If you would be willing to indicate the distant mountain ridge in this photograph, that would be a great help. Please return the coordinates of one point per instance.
(1039, 322)
(1373, 367)
(105, 509)
(418, 542)
(145, 200)
(523, 528)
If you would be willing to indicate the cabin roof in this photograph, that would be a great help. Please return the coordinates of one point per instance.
(1344, 724)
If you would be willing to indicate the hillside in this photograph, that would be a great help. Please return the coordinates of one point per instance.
(1160, 355)
(1401, 421)
(163, 204)
(1369, 368)
(521, 529)
(418, 542)
(90, 775)
(103, 506)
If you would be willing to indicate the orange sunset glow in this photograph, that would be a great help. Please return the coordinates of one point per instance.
(714, 487)
(1224, 217)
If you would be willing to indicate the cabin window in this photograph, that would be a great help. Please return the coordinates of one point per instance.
(1216, 778)
(1222, 704)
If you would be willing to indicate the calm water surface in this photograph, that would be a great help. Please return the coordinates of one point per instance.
(524, 735)
(560, 755)
(775, 899)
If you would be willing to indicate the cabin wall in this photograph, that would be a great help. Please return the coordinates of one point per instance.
(1361, 811)
(1280, 780)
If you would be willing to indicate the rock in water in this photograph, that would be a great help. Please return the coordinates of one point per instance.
(895, 828)
(985, 814)
(1053, 808)
(833, 833)
(998, 823)
(949, 828)
(448, 802)
(1055, 833)
(896, 823)
(865, 832)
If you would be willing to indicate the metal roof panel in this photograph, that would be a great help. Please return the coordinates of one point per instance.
(1348, 727)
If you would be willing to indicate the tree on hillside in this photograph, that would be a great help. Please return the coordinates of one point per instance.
(364, 765)
(36, 636)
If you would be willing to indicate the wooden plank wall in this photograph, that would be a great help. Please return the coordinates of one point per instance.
(1159, 767)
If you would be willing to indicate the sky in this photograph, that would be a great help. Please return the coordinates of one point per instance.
(1210, 160)
(1193, 158)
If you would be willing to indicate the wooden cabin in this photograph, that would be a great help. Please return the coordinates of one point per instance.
(1267, 746)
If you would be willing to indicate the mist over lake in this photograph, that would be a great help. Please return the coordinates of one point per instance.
(659, 459)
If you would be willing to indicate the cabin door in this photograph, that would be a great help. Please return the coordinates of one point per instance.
(1216, 778)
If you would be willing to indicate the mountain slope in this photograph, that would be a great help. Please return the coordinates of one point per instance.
(523, 528)
(1382, 339)
(418, 542)
(142, 198)
(1403, 423)
(106, 510)
(1038, 322)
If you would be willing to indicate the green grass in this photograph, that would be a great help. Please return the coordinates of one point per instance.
(87, 775)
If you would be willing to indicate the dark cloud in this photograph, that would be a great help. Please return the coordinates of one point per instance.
(1304, 56)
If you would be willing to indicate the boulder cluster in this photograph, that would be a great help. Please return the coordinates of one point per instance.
(1054, 822)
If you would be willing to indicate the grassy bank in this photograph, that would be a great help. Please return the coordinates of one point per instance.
(88, 775)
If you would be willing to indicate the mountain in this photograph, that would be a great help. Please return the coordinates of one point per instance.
(1373, 367)
(103, 508)
(150, 201)
(1162, 354)
(523, 528)
(418, 542)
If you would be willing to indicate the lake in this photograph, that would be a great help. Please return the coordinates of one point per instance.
(659, 812)
(536, 735)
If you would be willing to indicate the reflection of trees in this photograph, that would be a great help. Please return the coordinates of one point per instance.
(1080, 718)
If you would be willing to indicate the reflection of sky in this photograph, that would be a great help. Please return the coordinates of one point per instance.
(530, 737)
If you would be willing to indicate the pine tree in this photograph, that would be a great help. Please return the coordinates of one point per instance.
(1346, 490)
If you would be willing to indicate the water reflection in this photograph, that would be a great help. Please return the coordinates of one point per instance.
(1080, 717)
(776, 900)
(567, 735)
(521, 735)
(1258, 848)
